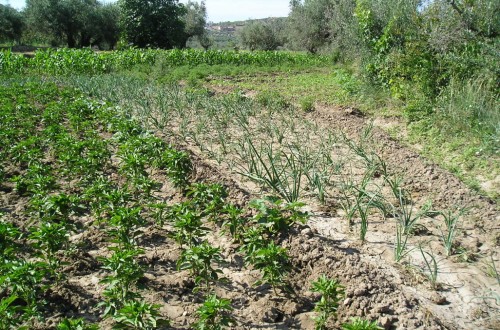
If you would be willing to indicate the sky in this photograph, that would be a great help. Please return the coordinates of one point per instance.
(224, 10)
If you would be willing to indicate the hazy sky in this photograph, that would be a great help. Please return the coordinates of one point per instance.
(224, 10)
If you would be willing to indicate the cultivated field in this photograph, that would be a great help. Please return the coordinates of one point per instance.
(130, 200)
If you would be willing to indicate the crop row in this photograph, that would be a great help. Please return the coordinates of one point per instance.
(86, 61)
(263, 141)
(64, 168)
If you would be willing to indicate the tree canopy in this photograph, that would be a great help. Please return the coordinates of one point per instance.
(263, 35)
(80, 23)
(153, 23)
(11, 24)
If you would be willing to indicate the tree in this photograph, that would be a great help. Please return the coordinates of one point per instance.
(309, 24)
(195, 19)
(205, 40)
(80, 23)
(153, 23)
(108, 32)
(11, 24)
(262, 35)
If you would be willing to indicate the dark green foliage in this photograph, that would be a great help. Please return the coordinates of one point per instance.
(195, 20)
(12, 24)
(156, 23)
(78, 23)
(308, 24)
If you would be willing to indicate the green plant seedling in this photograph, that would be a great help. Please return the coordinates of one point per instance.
(75, 324)
(58, 207)
(125, 225)
(209, 199)
(277, 216)
(188, 227)
(49, 238)
(27, 281)
(274, 264)
(233, 221)
(125, 272)
(159, 211)
(9, 235)
(431, 268)
(198, 260)
(138, 315)
(177, 165)
(449, 234)
(357, 323)
(253, 240)
(214, 314)
(331, 293)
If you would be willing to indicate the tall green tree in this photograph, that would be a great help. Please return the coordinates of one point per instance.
(309, 24)
(80, 23)
(262, 35)
(195, 18)
(11, 24)
(153, 23)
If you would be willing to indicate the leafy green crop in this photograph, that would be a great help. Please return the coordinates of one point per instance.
(331, 293)
(198, 260)
(214, 314)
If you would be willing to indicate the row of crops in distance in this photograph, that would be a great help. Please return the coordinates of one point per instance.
(79, 61)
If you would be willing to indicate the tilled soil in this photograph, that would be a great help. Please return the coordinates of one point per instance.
(396, 295)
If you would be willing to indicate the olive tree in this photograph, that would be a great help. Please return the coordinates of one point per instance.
(80, 23)
(262, 35)
(153, 23)
(11, 24)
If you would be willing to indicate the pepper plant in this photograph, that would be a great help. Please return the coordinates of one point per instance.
(331, 293)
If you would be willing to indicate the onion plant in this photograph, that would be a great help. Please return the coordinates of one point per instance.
(431, 267)
(452, 226)
(400, 248)
(278, 170)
